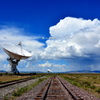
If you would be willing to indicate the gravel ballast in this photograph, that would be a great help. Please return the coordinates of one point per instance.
(10, 89)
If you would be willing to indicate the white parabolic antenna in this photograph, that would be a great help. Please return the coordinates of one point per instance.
(49, 70)
(16, 52)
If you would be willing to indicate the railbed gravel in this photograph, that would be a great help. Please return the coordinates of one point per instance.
(79, 92)
(10, 89)
(30, 95)
(82, 94)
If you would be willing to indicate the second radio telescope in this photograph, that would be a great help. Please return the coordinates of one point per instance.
(49, 71)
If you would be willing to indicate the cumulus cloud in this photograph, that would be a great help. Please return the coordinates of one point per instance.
(74, 37)
(15, 35)
(44, 66)
(71, 25)
(48, 64)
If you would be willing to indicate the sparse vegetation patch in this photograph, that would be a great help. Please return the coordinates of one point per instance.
(89, 82)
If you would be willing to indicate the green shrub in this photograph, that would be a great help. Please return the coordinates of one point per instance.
(92, 87)
(86, 84)
(26, 88)
(6, 98)
(98, 90)
(76, 84)
(20, 91)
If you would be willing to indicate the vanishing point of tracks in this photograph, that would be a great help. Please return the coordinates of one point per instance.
(56, 88)
(59, 89)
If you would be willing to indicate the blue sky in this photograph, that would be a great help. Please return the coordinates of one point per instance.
(62, 35)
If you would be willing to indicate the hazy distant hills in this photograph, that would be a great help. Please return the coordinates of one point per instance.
(83, 71)
(2, 71)
(78, 71)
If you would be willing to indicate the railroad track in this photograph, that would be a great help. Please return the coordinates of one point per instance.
(59, 89)
(2, 85)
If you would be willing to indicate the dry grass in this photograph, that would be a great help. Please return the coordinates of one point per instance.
(89, 82)
(11, 77)
(6, 78)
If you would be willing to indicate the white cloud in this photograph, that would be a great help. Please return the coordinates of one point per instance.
(71, 38)
(3, 56)
(51, 66)
(47, 64)
(94, 67)
(33, 44)
(15, 35)
(74, 37)
(7, 67)
(71, 25)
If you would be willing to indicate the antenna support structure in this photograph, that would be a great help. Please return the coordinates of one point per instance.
(15, 54)
(13, 63)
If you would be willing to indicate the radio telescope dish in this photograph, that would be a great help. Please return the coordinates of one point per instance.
(15, 53)
(49, 71)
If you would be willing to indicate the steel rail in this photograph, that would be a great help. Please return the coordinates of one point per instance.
(74, 96)
(2, 85)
